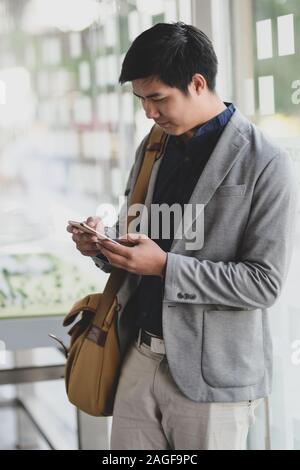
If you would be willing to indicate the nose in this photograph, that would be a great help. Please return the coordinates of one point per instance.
(150, 110)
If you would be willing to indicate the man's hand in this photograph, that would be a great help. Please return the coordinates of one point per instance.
(145, 258)
(87, 244)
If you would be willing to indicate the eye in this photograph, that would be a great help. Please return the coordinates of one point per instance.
(151, 99)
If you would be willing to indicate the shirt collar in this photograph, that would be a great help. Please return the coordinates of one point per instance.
(216, 122)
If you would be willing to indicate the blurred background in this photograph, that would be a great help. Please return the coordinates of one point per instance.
(68, 133)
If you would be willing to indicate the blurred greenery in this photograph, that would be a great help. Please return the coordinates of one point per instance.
(41, 284)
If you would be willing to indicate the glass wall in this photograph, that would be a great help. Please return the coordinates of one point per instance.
(68, 133)
(258, 47)
(266, 71)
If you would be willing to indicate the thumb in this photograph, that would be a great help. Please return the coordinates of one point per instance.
(134, 237)
(137, 237)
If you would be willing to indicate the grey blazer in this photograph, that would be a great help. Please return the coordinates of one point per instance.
(215, 318)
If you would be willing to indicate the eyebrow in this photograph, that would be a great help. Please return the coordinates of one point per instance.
(153, 95)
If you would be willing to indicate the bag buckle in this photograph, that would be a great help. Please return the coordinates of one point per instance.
(64, 347)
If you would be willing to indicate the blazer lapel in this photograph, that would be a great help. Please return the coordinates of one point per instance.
(231, 145)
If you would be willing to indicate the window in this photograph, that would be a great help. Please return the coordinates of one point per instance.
(258, 45)
(68, 132)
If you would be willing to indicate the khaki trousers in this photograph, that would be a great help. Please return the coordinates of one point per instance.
(150, 412)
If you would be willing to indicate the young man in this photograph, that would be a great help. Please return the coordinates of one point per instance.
(193, 324)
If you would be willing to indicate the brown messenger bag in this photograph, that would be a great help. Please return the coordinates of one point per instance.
(93, 358)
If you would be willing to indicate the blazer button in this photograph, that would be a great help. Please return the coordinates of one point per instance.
(180, 295)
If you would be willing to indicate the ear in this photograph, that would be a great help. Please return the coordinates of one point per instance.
(198, 83)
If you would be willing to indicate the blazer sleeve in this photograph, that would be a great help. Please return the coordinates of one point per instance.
(257, 278)
(100, 260)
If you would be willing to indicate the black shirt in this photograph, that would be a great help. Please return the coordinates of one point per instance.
(179, 172)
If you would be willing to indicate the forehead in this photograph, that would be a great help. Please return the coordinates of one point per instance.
(144, 87)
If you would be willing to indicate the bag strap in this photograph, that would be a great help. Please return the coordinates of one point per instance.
(154, 149)
(89, 303)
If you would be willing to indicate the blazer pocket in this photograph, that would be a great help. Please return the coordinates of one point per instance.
(232, 348)
(231, 190)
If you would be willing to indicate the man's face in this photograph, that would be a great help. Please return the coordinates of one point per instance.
(169, 107)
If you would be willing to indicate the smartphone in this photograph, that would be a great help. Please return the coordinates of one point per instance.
(87, 229)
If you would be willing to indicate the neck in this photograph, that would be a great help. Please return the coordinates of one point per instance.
(212, 108)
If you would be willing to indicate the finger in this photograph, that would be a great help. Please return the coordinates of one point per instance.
(84, 238)
(115, 259)
(79, 238)
(99, 226)
(93, 221)
(116, 248)
(137, 236)
(99, 245)
(90, 221)
(126, 236)
(72, 229)
(88, 246)
(89, 252)
(131, 240)
(134, 237)
(89, 238)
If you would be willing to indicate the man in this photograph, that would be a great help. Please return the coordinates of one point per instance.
(193, 323)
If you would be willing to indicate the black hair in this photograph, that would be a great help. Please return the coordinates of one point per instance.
(173, 53)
